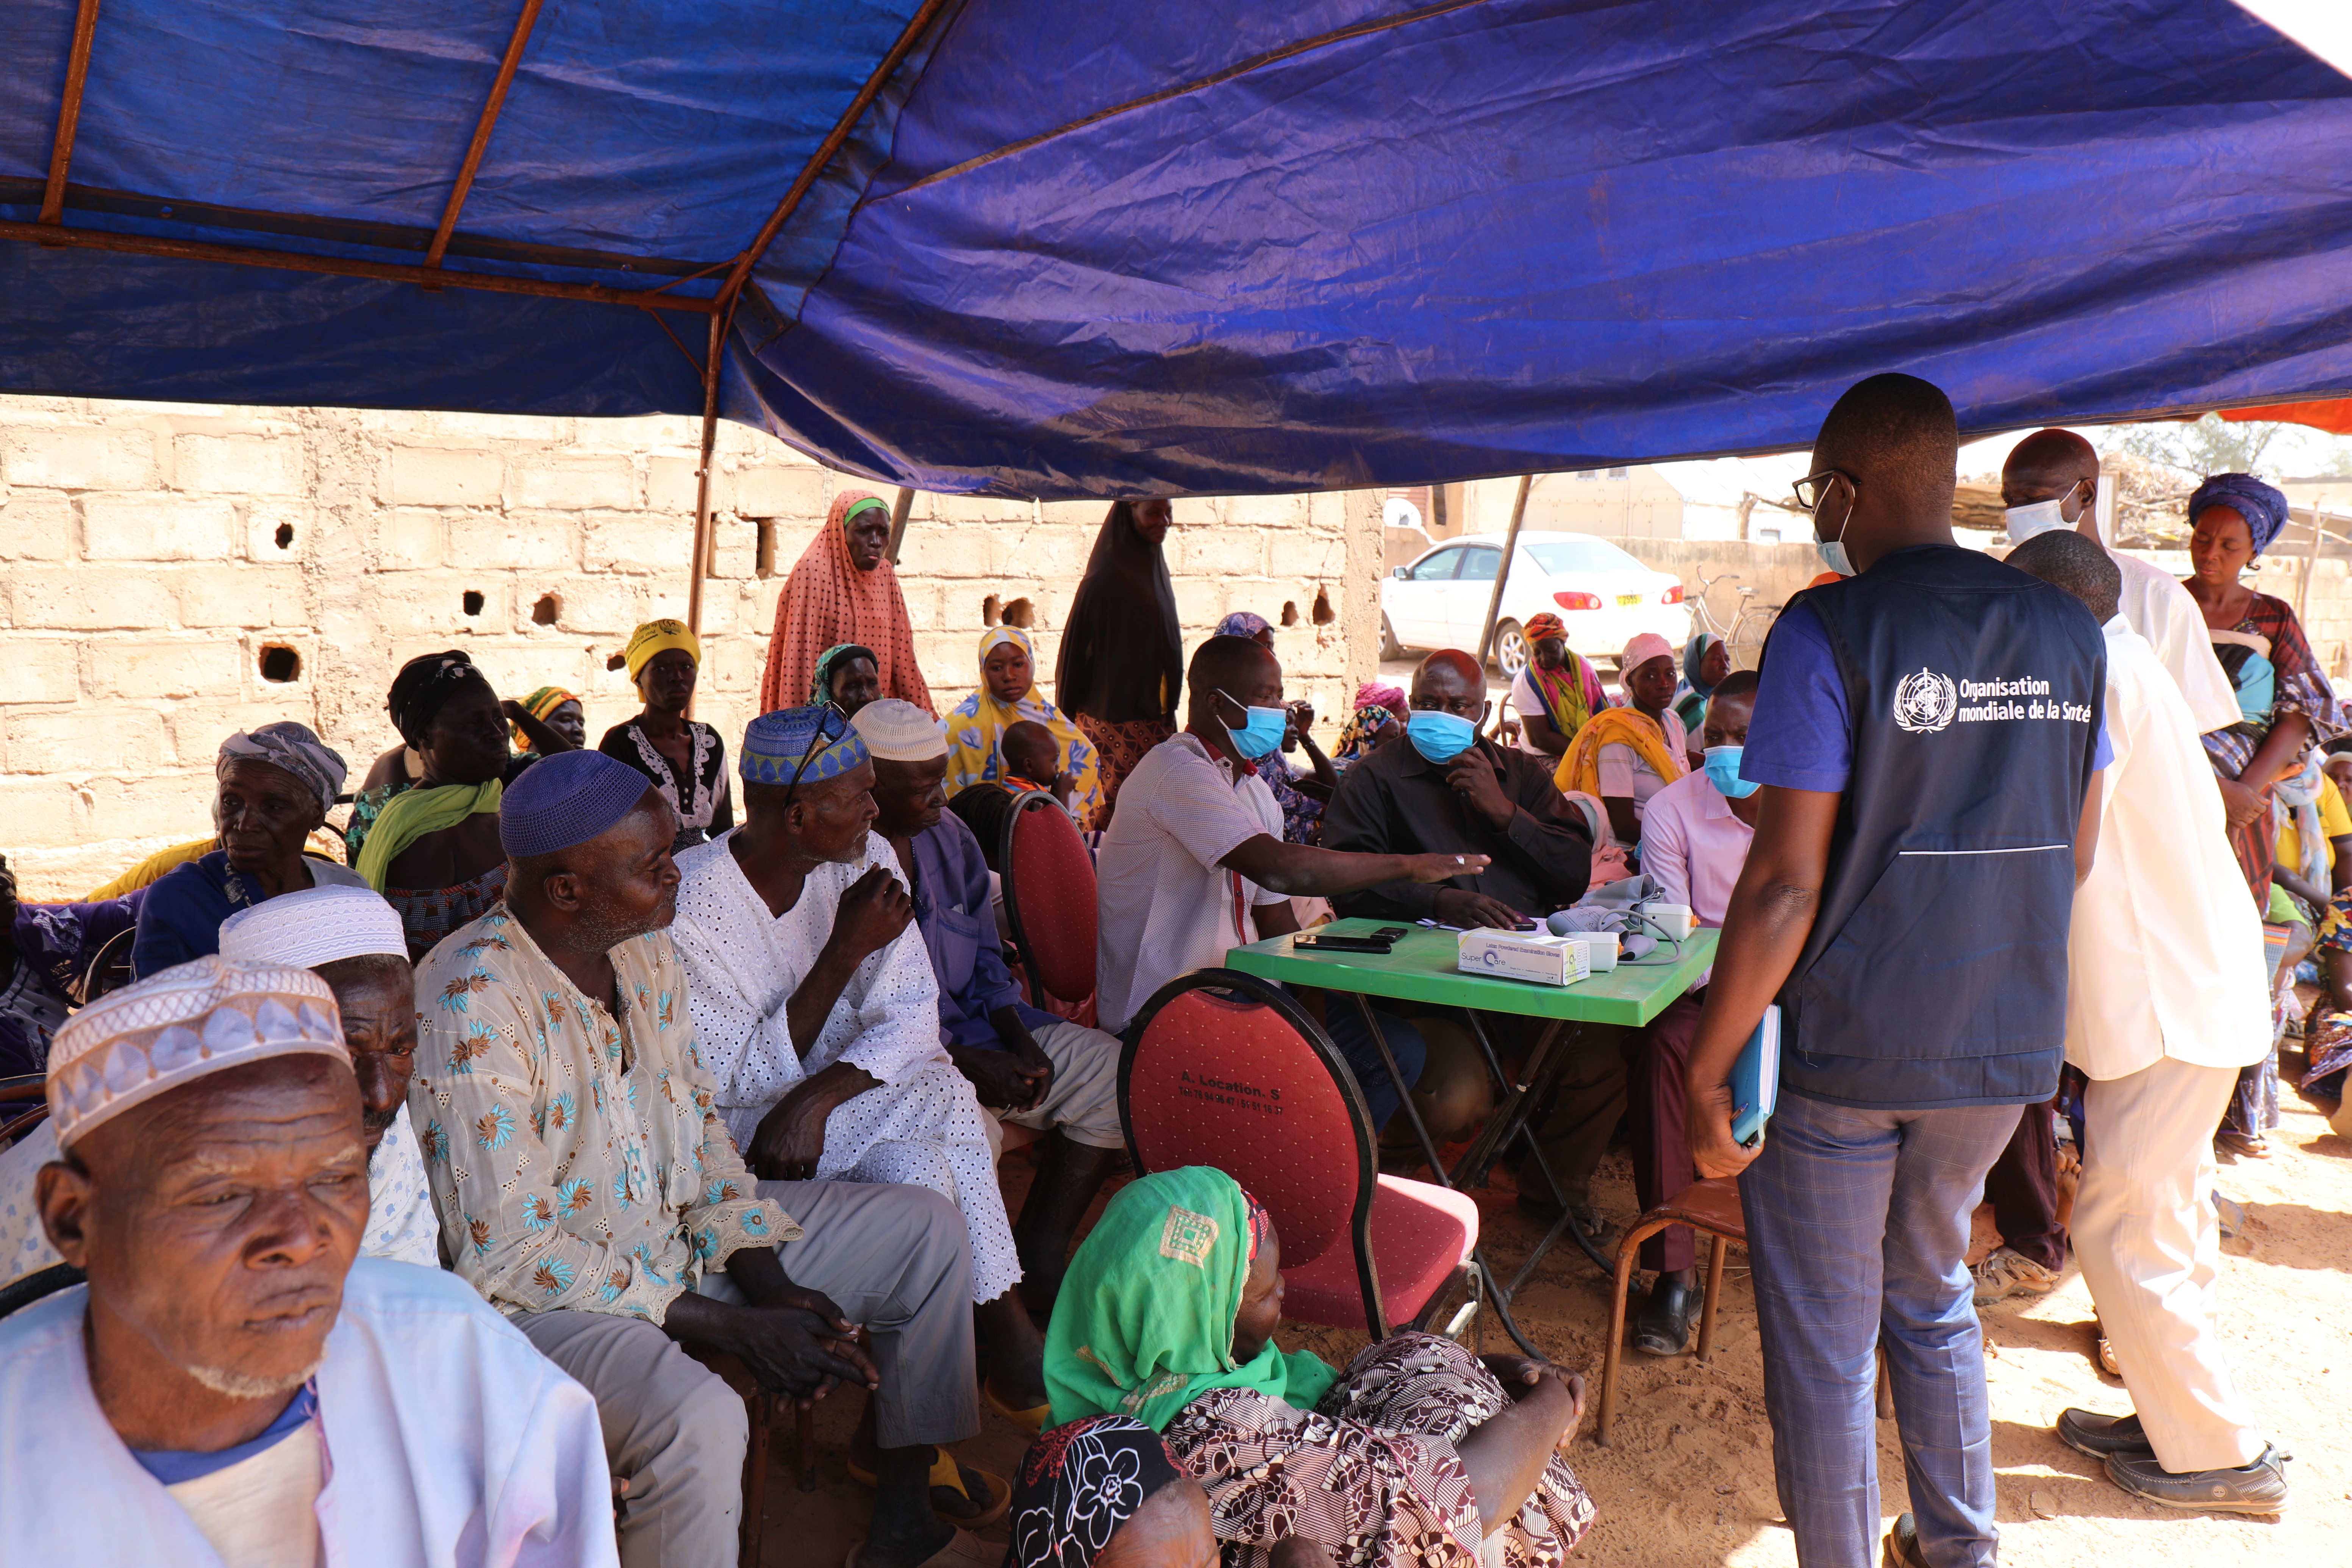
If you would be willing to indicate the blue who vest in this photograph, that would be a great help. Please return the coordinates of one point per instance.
(1936, 973)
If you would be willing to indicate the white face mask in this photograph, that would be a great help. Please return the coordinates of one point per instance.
(2041, 516)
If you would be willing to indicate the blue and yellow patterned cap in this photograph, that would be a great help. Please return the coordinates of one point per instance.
(775, 742)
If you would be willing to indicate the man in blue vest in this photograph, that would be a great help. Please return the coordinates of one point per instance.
(1928, 732)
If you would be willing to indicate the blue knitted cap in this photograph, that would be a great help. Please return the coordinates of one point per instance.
(775, 744)
(566, 799)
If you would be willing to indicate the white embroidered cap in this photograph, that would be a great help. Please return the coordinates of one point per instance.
(171, 1028)
(898, 732)
(315, 926)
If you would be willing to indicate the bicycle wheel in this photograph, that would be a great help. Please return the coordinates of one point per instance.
(1745, 643)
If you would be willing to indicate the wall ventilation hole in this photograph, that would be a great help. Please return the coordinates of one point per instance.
(284, 536)
(544, 613)
(473, 602)
(989, 611)
(280, 664)
(1020, 613)
(1322, 614)
(767, 552)
(1290, 613)
(618, 661)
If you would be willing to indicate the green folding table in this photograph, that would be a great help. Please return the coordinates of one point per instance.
(1421, 968)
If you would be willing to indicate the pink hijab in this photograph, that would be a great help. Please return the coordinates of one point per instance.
(827, 600)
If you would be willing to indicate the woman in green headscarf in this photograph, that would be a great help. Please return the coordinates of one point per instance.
(1415, 1455)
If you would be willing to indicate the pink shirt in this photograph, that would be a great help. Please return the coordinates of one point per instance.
(1694, 846)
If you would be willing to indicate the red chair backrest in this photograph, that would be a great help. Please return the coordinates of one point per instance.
(1241, 1079)
(1049, 898)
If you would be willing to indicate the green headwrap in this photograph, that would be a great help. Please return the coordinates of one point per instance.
(1144, 1323)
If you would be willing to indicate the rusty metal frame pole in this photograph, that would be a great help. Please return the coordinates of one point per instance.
(482, 128)
(702, 475)
(347, 266)
(53, 199)
(1502, 576)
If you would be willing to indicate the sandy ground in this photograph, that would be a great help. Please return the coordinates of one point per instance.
(1688, 1480)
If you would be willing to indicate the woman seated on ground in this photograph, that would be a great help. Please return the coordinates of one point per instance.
(1104, 1492)
(1625, 755)
(1557, 692)
(275, 786)
(685, 760)
(1009, 695)
(433, 852)
(1416, 1454)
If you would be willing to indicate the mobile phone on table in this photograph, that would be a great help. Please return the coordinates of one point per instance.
(1329, 943)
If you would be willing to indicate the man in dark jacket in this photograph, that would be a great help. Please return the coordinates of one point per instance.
(1447, 792)
(1928, 734)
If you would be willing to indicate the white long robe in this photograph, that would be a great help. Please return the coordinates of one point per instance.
(2164, 954)
(450, 1443)
(922, 1125)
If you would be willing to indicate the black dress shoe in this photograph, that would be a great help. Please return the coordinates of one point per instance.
(1902, 1545)
(2258, 1488)
(1665, 1325)
(2099, 1435)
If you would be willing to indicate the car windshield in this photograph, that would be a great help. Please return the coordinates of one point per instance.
(1563, 554)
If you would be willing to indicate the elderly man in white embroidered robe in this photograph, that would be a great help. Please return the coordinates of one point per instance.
(814, 997)
(230, 1386)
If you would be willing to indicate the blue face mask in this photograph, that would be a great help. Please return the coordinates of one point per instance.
(1834, 556)
(1723, 773)
(1261, 734)
(1440, 737)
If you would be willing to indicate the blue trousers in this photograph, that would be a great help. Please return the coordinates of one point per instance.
(1344, 1021)
(1857, 1229)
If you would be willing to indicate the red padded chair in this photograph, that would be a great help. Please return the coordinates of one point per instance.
(1220, 1068)
(1049, 899)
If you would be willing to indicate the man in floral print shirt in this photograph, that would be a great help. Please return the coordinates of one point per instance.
(587, 1188)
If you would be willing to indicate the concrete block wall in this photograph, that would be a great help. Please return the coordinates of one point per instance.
(152, 554)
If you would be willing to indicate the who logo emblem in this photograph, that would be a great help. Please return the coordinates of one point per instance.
(1926, 703)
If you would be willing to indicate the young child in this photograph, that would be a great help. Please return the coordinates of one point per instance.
(1033, 760)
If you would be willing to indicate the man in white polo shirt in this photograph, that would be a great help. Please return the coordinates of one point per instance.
(1194, 862)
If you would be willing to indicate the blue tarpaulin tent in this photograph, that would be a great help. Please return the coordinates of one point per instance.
(1061, 247)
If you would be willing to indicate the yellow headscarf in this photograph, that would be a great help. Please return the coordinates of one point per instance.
(655, 636)
(976, 732)
(541, 703)
(1580, 768)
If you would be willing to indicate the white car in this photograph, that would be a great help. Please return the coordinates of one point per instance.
(1604, 595)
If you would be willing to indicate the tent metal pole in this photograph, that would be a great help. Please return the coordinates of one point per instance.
(482, 128)
(702, 479)
(898, 510)
(1503, 575)
(53, 200)
(345, 266)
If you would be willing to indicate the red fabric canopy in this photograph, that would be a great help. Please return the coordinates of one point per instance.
(2336, 417)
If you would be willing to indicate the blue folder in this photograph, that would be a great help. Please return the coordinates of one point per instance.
(1756, 1079)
